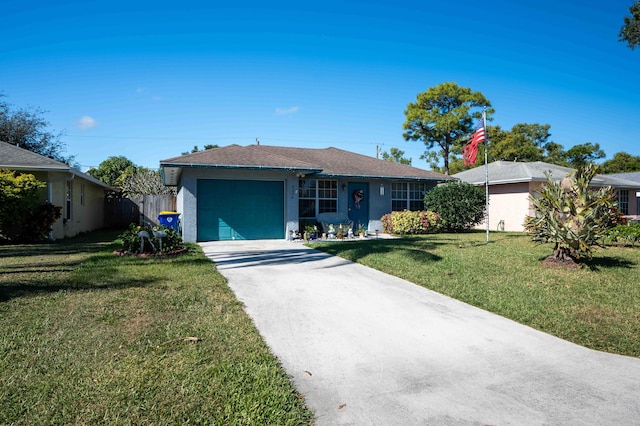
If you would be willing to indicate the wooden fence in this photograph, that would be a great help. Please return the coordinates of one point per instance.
(121, 211)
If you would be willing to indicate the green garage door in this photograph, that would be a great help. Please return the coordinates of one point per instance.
(240, 210)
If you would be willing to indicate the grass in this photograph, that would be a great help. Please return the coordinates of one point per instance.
(89, 337)
(597, 306)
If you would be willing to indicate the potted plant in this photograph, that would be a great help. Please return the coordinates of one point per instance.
(310, 232)
(362, 231)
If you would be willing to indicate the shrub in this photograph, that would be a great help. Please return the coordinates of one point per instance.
(459, 204)
(131, 241)
(23, 217)
(37, 224)
(411, 222)
(628, 234)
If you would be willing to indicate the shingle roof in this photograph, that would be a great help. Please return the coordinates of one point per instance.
(16, 158)
(634, 176)
(327, 162)
(504, 172)
(12, 157)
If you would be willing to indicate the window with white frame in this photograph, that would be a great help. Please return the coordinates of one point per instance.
(408, 196)
(623, 201)
(317, 196)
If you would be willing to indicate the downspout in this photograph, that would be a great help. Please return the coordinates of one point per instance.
(64, 219)
(50, 200)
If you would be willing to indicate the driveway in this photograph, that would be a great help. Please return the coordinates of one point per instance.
(366, 348)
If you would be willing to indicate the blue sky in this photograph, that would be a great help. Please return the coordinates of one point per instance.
(149, 80)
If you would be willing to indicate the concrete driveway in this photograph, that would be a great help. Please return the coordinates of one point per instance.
(366, 348)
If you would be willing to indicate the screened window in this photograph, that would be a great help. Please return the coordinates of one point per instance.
(317, 196)
(408, 196)
(623, 201)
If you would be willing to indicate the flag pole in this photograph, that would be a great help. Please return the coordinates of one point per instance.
(486, 166)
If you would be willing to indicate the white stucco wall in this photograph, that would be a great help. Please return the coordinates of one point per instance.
(87, 213)
(508, 203)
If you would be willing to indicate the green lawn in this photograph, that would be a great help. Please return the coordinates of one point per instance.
(89, 338)
(597, 306)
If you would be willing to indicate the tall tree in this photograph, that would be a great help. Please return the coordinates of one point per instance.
(443, 116)
(621, 163)
(630, 31)
(579, 155)
(114, 170)
(28, 129)
(525, 142)
(396, 155)
(145, 181)
(196, 149)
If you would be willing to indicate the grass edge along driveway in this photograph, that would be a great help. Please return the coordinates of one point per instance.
(90, 337)
(597, 306)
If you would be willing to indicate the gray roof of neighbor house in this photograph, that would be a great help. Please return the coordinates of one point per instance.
(634, 176)
(504, 172)
(326, 162)
(16, 158)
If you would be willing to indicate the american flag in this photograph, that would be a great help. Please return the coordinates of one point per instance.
(470, 151)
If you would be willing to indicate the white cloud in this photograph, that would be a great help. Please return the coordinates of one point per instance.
(285, 111)
(86, 122)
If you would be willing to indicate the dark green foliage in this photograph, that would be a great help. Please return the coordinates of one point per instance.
(459, 204)
(23, 217)
(621, 162)
(396, 155)
(627, 234)
(131, 241)
(410, 222)
(580, 155)
(630, 31)
(37, 223)
(114, 170)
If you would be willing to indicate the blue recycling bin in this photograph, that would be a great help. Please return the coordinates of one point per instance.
(169, 219)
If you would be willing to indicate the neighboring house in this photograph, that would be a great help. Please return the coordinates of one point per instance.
(634, 177)
(81, 196)
(263, 192)
(511, 184)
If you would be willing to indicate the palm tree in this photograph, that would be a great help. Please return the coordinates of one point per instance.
(572, 215)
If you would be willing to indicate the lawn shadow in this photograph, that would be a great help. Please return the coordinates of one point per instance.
(596, 263)
(86, 243)
(241, 259)
(31, 277)
(416, 248)
(15, 288)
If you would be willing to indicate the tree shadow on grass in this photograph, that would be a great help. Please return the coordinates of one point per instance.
(16, 289)
(34, 275)
(416, 248)
(86, 243)
(597, 263)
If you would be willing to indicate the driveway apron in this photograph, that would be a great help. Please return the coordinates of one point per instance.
(366, 348)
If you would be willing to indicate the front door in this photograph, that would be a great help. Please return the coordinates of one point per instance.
(359, 204)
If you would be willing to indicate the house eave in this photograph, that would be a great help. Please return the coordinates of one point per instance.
(383, 177)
